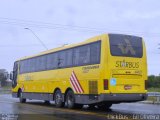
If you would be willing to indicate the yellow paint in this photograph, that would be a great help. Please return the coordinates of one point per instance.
(47, 81)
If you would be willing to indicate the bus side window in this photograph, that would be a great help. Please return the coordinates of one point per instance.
(32, 65)
(82, 55)
(41, 63)
(95, 53)
(69, 58)
(52, 61)
(61, 59)
(21, 68)
(75, 56)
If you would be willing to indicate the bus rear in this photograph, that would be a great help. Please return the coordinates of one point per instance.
(127, 68)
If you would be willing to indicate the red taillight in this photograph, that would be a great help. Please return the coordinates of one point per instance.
(105, 84)
(146, 84)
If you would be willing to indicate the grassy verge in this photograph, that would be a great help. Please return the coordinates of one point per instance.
(153, 99)
(153, 89)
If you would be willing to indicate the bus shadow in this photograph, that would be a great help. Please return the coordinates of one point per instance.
(52, 105)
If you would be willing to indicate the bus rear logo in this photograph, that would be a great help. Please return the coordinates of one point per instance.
(75, 83)
(126, 48)
(124, 64)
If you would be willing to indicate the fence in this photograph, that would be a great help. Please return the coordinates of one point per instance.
(156, 95)
(5, 91)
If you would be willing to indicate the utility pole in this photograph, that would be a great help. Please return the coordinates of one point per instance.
(42, 43)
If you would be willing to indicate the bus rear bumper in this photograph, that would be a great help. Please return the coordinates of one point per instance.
(114, 98)
(123, 97)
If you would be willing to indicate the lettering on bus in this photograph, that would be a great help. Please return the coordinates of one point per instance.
(127, 64)
(87, 68)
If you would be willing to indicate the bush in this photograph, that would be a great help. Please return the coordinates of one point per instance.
(3, 77)
(153, 81)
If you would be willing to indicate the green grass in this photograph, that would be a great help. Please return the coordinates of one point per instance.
(153, 89)
(151, 99)
(154, 99)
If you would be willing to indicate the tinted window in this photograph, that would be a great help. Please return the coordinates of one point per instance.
(22, 67)
(125, 45)
(52, 61)
(95, 53)
(25, 66)
(78, 56)
(61, 59)
(28, 65)
(32, 65)
(69, 57)
(82, 55)
(41, 63)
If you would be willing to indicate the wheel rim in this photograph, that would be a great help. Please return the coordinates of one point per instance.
(70, 100)
(58, 98)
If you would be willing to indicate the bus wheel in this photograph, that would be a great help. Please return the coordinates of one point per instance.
(58, 99)
(70, 99)
(21, 99)
(104, 106)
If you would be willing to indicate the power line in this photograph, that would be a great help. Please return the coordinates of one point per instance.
(45, 25)
(21, 22)
(49, 24)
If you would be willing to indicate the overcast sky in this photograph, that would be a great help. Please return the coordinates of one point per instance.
(58, 22)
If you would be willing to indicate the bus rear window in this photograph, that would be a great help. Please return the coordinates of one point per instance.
(125, 45)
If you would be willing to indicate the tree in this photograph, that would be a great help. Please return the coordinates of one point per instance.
(153, 81)
(3, 76)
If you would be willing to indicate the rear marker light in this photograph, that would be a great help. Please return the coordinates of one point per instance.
(105, 82)
(146, 84)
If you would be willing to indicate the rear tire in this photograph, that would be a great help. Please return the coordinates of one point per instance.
(70, 99)
(58, 99)
(21, 99)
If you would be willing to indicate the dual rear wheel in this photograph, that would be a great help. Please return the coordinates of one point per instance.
(69, 98)
(70, 101)
(58, 99)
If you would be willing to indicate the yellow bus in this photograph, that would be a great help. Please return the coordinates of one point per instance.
(101, 71)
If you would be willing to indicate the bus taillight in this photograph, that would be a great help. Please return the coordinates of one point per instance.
(105, 84)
